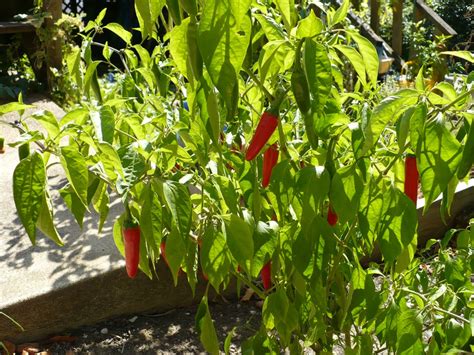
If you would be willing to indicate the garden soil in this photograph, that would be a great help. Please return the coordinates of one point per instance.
(170, 332)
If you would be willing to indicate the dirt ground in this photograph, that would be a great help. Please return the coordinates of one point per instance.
(170, 332)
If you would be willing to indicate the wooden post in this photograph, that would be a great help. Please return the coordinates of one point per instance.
(417, 17)
(53, 47)
(374, 15)
(397, 35)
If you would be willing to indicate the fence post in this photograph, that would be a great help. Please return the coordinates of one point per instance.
(397, 34)
(374, 15)
(53, 48)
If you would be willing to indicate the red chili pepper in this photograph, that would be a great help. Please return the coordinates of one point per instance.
(131, 236)
(265, 128)
(266, 274)
(411, 178)
(332, 216)
(163, 252)
(270, 158)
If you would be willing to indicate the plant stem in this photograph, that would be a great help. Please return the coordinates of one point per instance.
(260, 85)
(251, 285)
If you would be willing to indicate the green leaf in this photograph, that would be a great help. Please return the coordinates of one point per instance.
(265, 243)
(282, 187)
(356, 59)
(409, 326)
(29, 183)
(310, 26)
(272, 30)
(117, 234)
(179, 203)
(147, 13)
(107, 124)
(205, 328)
(215, 257)
(120, 31)
(439, 157)
(225, 186)
(12, 107)
(45, 220)
(175, 251)
(49, 122)
(318, 71)
(73, 62)
(369, 54)
(179, 46)
(312, 185)
(279, 313)
(133, 167)
(144, 263)
(467, 159)
(288, 12)
(223, 39)
(213, 111)
(403, 127)
(272, 57)
(75, 166)
(174, 10)
(151, 224)
(74, 204)
(239, 240)
(387, 111)
(340, 13)
(398, 225)
(466, 55)
(111, 161)
(417, 124)
(346, 190)
(101, 202)
(90, 75)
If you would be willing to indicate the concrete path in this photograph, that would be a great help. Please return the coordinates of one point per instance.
(47, 288)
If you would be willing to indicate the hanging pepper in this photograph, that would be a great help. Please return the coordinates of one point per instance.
(270, 158)
(265, 128)
(332, 216)
(2, 143)
(411, 178)
(299, 83)
(131, 236)
(194, 55)
(266, 274)
(163, 252)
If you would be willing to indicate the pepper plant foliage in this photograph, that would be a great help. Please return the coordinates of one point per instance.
(169, 139)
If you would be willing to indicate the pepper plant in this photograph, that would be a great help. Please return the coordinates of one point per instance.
(170, 138)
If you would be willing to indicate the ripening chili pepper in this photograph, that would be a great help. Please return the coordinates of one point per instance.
(2, 143)
(266, 274)
(195, 58)
(411, 178)
(270, 158)
(299, 83)
(131, 236)
(265, 128)
(163, 252)
(332, 216)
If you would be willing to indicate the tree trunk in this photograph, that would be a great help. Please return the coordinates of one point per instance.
(374, 15)
(53, 47)
(397, 36)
